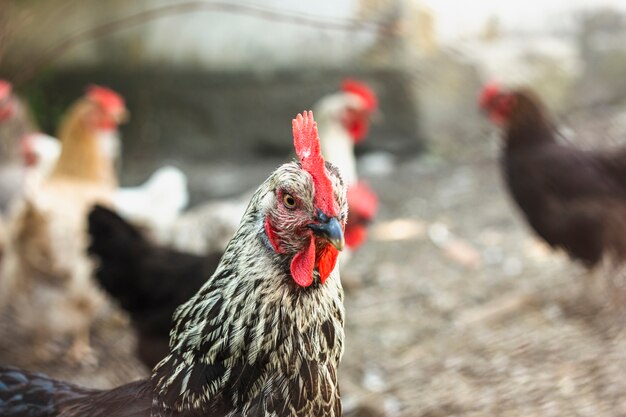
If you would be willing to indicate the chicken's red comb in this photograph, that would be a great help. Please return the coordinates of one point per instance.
(488, 93)
(307, 143)
(5, 89)
(363, 91)
(363, 200)
(105, 97)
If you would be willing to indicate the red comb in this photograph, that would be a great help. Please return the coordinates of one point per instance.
(362, 90)
(488, 93)
(362, 200)
(5, 89)
(307, 143)
(105, 97)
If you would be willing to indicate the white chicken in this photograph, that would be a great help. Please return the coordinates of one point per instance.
(344, 119)
(157, 203)
(14, 123)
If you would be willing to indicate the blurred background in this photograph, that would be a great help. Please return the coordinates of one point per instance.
(453, 307)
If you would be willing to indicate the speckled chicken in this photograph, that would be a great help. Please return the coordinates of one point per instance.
(45, 265)
(262, 337)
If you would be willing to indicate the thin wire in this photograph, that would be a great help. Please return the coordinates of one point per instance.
(301, 19)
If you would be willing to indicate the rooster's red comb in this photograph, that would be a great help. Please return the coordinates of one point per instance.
(307, 143)
(105, 97)
(489, 92)
(5, 89)
(363, 91)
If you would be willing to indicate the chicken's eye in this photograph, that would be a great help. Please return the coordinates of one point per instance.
(289, 202)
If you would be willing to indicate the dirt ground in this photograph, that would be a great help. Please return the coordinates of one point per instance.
(453, 309)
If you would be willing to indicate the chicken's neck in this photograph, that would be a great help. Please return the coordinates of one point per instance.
(82, 157)
(338, 149)
(252, 343)
(529, 127)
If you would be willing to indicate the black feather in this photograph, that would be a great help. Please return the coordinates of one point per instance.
(148, 281)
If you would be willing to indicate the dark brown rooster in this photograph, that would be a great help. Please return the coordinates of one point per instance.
(264, 335)
(574, 199)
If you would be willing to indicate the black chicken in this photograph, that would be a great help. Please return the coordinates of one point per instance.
(149, 282)
(574, 199)
(262, 337)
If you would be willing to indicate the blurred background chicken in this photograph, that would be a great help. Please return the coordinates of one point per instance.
(15, 122)
(154, 204)
(574, 199)
(45, 262)
(344, 121)
(148, 282)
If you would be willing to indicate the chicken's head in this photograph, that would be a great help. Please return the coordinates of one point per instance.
(360, 107)
(497, 103)
(7, 104)
(109, 107)
(306, 209)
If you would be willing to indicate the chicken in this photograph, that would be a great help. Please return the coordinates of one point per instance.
(149, 282)
(14, 123)
(158, 202)
(344, 120)
(45, 263)
(574, 199)
(262, 337)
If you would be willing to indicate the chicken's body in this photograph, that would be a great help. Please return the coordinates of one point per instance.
(263, 336)
(574, 199)
(45, 264)
(148, 281)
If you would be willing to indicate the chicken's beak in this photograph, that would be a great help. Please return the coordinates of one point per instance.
(329, 228)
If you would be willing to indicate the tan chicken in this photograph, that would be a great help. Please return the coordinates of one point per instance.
(46, 273)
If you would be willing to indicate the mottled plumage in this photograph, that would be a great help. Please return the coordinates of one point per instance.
(253, 341)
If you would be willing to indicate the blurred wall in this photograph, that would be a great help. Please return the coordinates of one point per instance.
(224, 81)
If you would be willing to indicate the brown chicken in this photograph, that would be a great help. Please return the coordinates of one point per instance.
(574, 199)
(45, 265)
(262, 337)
